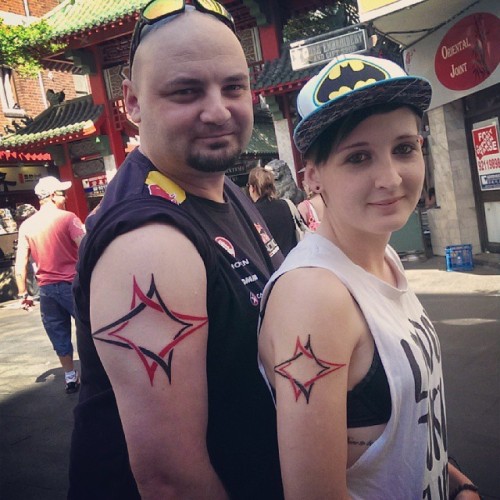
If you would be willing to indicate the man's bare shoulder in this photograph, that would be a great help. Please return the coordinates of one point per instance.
(152, 240)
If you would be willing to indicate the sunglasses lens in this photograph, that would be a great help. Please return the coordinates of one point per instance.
(215, 7)
(160, 8)
(218, 10)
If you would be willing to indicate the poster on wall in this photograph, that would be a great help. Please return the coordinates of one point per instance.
(462, 57)
(487, 152)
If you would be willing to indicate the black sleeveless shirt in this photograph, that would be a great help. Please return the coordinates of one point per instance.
(239, 255)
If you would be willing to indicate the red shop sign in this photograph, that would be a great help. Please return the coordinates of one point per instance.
(469, 52)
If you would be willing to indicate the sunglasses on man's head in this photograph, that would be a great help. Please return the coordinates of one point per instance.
(157, 10)
(60, 193)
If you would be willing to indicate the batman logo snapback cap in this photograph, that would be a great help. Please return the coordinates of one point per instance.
(349, 83)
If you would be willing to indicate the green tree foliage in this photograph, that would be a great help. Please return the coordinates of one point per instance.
(23, 46)
(320, 21)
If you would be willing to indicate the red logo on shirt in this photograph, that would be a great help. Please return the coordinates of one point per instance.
(226, 245)
(158, 191)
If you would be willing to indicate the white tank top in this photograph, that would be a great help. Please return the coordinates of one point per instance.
(409, 460)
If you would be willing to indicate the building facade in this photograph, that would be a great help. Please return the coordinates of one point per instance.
(88, 137)
(462, 62)
(459, 54)
(21, 100)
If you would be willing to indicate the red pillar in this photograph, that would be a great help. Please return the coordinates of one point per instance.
(76, 201)
(269, 42)
(100, 96)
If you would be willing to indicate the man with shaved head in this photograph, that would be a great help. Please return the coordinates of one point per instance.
(170, 276)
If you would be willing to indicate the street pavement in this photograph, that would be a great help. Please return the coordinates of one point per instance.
(36, 414)
(465, 310)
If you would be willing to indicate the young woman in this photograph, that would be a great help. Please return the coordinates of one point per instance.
(353, 359)
(275, 212)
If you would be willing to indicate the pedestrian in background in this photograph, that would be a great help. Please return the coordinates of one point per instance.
(51, 237)
(276, 212)
(172, 404)
(311, 209)
(353, 360)
(22, 213)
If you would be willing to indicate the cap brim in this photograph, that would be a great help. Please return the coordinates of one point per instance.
(65, 185)
(409, 90)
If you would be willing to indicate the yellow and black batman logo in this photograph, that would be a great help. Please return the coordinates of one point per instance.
(346, 76)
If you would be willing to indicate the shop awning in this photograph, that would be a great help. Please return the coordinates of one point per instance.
(408, 25)
(60, 123)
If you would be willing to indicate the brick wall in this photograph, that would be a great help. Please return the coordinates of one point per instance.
(36, 7)
(40, 7)
(30, 91)
(13, 6)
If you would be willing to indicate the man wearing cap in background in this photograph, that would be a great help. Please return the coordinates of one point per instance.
(169, 280)
(52, 237)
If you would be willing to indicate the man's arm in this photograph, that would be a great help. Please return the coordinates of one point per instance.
(21, 265)
(78, 239)
(150, 328)
(77, 231)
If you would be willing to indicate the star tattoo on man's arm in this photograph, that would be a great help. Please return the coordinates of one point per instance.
(116, 332)
(314, 367)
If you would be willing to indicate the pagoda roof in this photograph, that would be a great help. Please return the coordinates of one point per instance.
(263, 140)
(278, 77)
(72, 18)
(60, 123)
(78, 17)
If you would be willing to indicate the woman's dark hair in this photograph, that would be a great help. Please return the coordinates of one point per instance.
(328, 140)
(262, 181)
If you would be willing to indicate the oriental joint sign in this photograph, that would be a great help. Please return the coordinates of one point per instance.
(303, 54)
(487, 152)
(469, 52)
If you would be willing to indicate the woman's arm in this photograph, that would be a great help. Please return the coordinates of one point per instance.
(306, 344)
(457, 482)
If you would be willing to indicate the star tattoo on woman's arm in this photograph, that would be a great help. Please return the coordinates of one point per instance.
(310, 369)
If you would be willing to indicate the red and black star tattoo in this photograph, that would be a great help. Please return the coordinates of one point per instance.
(319, 367)
(115, 334)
